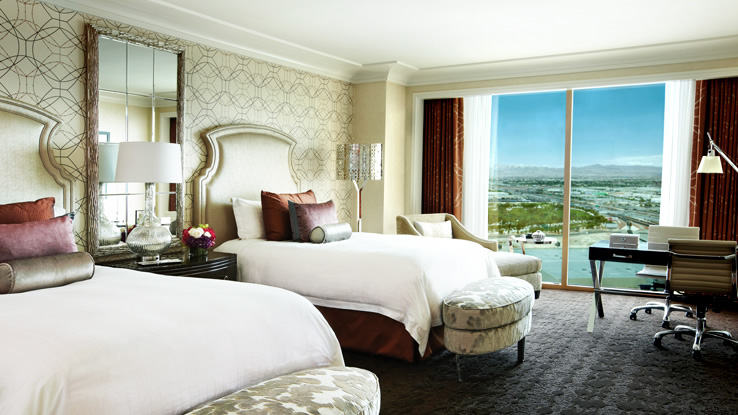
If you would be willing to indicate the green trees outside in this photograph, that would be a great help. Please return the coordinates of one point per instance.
(509, 218)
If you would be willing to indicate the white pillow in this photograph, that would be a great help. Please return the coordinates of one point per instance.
(249, 218)
(434, 229)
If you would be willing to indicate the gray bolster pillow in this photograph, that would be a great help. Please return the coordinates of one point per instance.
(28, 274)
(330, 233)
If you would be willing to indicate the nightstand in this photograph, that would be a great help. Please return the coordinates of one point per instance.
(217, 265)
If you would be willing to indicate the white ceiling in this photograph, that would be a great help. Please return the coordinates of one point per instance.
(429, 41)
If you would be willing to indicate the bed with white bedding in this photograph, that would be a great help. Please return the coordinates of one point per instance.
(402, 277)
(381, 293)
(127, 342)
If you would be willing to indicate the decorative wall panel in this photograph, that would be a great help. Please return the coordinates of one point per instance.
(42, 63)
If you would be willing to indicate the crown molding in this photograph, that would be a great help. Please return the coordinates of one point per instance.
(187, 25)
(653, 55)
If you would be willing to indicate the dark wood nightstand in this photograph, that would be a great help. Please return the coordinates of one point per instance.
(217, 265)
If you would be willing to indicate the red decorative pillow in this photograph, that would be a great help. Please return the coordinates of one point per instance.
(304, 217)
(277, 214)
(39, 238)
(22, 212)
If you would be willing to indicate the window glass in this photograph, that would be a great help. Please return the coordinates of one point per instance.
(617, 153)
(527, 175)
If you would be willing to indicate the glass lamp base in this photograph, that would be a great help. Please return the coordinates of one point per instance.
(148, 242)
(108, 233)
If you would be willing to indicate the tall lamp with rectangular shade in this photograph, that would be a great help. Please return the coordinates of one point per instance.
(711, 163)
(359, 163)
(149, 163)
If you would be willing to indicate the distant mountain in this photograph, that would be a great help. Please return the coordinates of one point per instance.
(587, 172)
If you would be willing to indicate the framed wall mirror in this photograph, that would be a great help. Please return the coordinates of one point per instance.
(135, 92)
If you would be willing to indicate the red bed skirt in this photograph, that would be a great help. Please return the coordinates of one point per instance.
(377, 334)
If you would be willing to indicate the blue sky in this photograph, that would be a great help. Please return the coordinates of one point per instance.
(621, 125)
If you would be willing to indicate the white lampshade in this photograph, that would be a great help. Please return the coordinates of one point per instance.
(710, 164)
(107, 160)
(149, 162)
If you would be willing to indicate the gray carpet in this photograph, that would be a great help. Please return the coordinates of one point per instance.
(616, 370)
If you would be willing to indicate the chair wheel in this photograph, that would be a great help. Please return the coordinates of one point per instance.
(647, 311)
(632, 316)
(689, 314)
(696, 355)
(657, 342)
(665, 324)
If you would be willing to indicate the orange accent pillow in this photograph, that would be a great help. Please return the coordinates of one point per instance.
(22, 212)
(277, 213)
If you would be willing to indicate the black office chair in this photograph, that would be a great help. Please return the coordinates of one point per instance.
(704, 271)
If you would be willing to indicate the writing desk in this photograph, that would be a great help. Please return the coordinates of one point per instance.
(602, 252)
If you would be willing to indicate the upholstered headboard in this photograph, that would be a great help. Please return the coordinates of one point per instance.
(242, 161)
(30, 171)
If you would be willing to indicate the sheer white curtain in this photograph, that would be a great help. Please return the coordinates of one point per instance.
(678, 119)
(477, 127)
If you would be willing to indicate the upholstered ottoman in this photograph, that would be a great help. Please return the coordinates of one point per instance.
(331, 390)
(486, 316)
(524, 267)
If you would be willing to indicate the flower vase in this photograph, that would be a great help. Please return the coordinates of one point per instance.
(198, 252)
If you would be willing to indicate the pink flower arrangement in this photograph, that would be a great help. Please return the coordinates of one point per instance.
(201, 236)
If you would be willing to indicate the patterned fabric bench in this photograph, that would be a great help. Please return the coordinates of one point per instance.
(486, 316)
(325, 391)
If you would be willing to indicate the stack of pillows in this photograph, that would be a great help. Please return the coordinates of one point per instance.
(289, 216)
(37, 249)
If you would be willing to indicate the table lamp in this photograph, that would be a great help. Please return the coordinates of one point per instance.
(149, 163)
(711, 163)
(359, 162)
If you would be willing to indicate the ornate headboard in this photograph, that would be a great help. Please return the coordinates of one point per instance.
(242, 161)
(29, 169)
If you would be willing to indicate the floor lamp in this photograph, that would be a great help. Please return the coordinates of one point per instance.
(711, 163)
(359, 163)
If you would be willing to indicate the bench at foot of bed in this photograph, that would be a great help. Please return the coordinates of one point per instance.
(330, 390)
(486, 316)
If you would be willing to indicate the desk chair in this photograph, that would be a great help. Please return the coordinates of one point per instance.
(658, 237)
(704, 271)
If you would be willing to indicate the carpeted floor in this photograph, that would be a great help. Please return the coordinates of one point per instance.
(616, 370)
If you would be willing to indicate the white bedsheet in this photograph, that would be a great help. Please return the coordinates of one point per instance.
(126, 342)
(403, 277)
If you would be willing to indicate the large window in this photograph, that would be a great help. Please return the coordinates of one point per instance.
(614, 174)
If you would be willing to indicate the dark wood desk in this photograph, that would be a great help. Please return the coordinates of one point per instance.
(602, 252)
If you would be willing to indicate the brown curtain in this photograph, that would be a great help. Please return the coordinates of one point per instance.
(443, 150)
(713, 202)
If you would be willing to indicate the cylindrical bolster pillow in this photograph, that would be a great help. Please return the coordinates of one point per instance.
(330, 233)
(28, 274)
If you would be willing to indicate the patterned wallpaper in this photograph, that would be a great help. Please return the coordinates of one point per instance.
(42, 63)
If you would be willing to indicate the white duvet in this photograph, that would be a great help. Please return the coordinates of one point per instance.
(403, 277)
(126, 342)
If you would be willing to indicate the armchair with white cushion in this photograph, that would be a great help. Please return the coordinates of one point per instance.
(525, 267)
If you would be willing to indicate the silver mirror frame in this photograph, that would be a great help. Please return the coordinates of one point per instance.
(92, 35)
